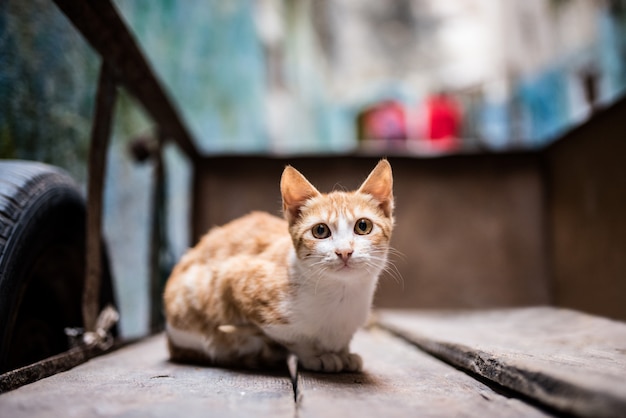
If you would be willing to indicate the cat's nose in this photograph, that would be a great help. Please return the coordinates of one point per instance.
(344, 255)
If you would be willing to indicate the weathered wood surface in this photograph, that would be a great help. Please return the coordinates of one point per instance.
(401, 381)
(572, 362)
(139, 381)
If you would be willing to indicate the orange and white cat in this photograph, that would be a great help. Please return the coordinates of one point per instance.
(260, 287)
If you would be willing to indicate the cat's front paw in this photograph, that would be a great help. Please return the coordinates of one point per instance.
(328, 362)
(353, 363)
(333, 363)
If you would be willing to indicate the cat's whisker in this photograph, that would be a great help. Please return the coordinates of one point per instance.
(392, 269)
(395, 274)
(318, 268)
(397, 254)
(389, 267)
(320, 275)
(372, 268)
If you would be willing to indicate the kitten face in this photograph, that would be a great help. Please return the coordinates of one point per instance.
(342, 233)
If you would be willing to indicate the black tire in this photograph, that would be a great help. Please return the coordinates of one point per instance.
(42, 262)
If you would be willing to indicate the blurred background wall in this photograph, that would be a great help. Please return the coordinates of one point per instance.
(469, 229)
(470, 99)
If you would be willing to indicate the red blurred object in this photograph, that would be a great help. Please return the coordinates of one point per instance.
(386, 120)
(443, 121)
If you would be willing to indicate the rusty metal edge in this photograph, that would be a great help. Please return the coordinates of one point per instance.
(101, 25)
(44, 368)
(101, 130)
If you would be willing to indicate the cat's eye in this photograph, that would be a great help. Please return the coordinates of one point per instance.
(363, 226)
(321, 231)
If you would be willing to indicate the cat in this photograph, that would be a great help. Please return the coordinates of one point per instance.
(261, 287)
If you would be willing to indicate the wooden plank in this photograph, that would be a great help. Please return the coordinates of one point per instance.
(139, 381)
(569, 361)
(401, 381)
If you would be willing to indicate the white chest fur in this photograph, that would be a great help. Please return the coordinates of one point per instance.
(327, 310)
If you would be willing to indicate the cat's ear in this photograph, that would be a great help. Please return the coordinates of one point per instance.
(295, 190)
(379, 184)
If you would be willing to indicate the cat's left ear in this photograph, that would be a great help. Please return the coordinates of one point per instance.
(295, 190)
(379, 184)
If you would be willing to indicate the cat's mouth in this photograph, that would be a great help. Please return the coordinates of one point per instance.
(344, 266)
(348, 265)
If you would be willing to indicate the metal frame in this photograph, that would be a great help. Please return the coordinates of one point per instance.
(123, 64)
